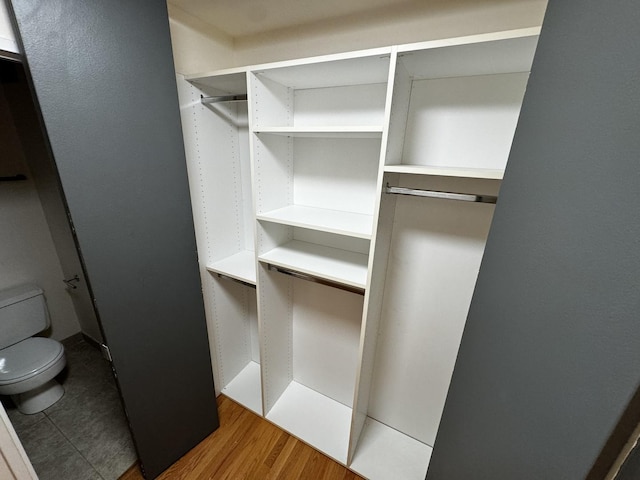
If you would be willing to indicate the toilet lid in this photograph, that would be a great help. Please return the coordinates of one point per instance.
(28, 358)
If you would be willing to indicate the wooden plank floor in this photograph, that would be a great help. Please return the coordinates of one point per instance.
(248, 447)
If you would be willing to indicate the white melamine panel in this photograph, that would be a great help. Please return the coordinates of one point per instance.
(225, 82)
(336, 174)
(446, 171)
(314, 418)
(233, 321)
(245, 388)
(384, 453)
(356, 131)
(341, 266)
(332, 221)
(348, 105)
(477, 55)
(330, 174)
(341, 242)
(273, 167)
(219, 175)
(435, 254)
(241, 266)
(463, 122)
(333, 71)
(275, 297)
(326, 336)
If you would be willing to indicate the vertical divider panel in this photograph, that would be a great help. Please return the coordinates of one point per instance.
(275, 304)
(272, 154)
(399, 112)
(378, 252)
(272, 175)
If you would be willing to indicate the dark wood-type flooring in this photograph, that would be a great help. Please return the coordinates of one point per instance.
(248, 447)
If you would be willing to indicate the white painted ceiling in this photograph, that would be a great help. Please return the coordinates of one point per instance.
(239, 18)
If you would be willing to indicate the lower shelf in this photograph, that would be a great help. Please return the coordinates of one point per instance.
(240, 266)
(245, 388)
(315, 419)
(384, 453)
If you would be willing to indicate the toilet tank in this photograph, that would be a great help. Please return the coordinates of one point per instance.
(23, 313)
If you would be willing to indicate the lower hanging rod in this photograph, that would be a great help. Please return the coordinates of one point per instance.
(223, 98)
(464, 197)
(233, 279)
(314, 279)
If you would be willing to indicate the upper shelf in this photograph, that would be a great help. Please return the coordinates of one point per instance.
(332, 264)
(484, 173)
(232, 81)
(325, 132)
(332, 221)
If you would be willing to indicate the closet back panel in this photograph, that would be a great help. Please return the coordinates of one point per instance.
(357, 70)
(326, 334)
(219, 164)
(348, 105)
(337, 173)
(463, 121)
(435, 254)
(236, 327)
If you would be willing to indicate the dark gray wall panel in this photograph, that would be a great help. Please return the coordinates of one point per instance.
(550, 354)
(104, 78)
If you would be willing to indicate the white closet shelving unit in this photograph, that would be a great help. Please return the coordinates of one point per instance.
(350, 338)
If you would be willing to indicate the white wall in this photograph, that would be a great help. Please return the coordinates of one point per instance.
(197, 46)
(200, 48)
(7, 37)
(27, 252)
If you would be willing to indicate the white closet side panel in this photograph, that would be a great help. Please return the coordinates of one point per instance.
(435, 254)
(463, 121)
(245, 175)
(189, 100)
(336, 173)
(275, 304)
(271, 102)
(273, 169)
(326, 332)
(216, 173)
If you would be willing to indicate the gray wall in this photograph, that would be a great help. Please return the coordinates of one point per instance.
(104, 79)
(551, 351)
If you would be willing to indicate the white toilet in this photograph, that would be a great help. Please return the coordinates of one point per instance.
(28, 364)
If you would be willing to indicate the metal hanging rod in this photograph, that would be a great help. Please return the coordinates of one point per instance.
(314, 279)
(223, 98)
(464, 197)
(241, 282)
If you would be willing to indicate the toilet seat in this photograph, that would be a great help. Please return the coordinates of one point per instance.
(29, 363)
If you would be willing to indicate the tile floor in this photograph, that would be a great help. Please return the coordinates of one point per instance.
(85, 434)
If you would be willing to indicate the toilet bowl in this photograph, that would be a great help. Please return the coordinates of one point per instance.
(28, 364)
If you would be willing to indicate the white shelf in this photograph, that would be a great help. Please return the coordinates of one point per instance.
(332, 221)
(315, 419)
(245, 388)
(384, 453)
(324, 131)
(485, 173)
(241, 266)
(341, 266)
